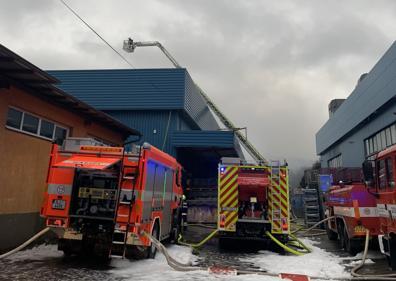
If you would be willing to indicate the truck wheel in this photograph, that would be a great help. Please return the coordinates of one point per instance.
(67, 246)
(152, 249)
(392, 252)
(137, 252)
(144, 252)
(351, 246)
(331, 235)
(224, 243)
(67, 253)
(341, 234)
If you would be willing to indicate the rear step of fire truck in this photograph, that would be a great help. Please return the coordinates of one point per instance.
(120, 234)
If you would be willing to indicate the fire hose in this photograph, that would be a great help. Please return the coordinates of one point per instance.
(25, 244)
(354, 271)
(178, 266)
(295, 241)
(197, 245)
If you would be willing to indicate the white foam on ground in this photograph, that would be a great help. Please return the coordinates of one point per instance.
(318, 263)
(370, 255)
(158, 269)
(40, 252)
(356, 262)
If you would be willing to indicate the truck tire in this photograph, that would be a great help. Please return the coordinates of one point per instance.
(341, 234)
(68, 247)
(137, 252)
(392, 252)
(331, 235)
(351, 245)
(152, 250)
(144, 252)
(224, 243)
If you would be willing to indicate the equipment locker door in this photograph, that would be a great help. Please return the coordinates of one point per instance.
(167, 200)
(147, 193)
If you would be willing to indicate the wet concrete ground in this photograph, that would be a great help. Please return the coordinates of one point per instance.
(377, 264)
(56, 267)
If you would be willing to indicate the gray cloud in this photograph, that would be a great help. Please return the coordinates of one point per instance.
(271, 65)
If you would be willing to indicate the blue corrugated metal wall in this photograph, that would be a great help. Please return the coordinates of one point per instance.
(352, 148)
(196, 107)
(139, 89)
(126, 89)
(224, 139)
(143, 98)
(377, 88)
(152, 124)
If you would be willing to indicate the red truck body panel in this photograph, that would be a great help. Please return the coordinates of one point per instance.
(138, 190)
(356, 206)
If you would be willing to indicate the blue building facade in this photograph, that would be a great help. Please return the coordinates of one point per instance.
(167, 108)
(365, 122)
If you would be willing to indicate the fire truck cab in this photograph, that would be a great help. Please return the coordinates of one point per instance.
(380, 173)
(101, 199)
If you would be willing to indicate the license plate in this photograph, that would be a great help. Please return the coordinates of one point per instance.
(360, 229)
(58, 204)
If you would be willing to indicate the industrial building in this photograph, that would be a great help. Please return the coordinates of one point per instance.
(33, 115)
(365, 122)
(166, 106)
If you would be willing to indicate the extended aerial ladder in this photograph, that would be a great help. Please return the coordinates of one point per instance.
(130, 45)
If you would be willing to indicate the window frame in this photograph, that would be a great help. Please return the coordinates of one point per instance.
(20, 130)
(382, 176)
(390, 176)
(381, 140)
(335, 162)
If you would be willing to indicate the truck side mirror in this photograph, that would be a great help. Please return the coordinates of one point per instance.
(368, 172)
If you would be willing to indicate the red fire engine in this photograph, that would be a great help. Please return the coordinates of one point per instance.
(354, 206)
(253, 201)
(100, 199)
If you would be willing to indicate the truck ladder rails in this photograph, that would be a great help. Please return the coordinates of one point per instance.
(275, 198)
(229, 125)
(130, 203)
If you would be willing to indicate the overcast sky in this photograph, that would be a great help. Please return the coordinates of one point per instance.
(272, 66)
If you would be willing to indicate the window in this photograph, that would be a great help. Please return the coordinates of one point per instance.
(335, 162)
(389, 169)
(388, 137)
(14, 118)
(393, 133)
(379, 144)
(60, 135)
(47, 129)
(30, 123)
(33, 125)
(375, 147)
(367, 146)
(381, 140)
(382, 174)
(371, 145)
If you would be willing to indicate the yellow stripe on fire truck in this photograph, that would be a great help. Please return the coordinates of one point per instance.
(228, 198)
(279, 202)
